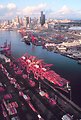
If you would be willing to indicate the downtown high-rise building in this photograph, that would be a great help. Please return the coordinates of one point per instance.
(42, 19)
(17, 19)
(26, 21)
(16, 22)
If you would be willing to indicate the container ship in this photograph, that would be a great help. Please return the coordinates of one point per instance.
(28, 85)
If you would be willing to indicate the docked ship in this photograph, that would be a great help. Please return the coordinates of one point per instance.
(29, 37)
(38, 88)
(26, 40)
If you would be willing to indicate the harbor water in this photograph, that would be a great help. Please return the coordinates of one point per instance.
(66, 67)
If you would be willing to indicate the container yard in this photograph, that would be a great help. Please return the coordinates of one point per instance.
(28, 85)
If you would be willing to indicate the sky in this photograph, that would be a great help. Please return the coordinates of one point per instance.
(58, 9)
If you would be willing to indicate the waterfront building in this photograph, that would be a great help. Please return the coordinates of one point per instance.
(69, 44)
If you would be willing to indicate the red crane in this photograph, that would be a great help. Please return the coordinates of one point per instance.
(41, 70)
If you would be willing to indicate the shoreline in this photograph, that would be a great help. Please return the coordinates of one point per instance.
(78, 60)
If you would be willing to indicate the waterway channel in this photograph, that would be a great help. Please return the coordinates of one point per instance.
(66, 67)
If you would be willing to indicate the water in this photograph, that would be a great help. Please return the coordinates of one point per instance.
(66, 67)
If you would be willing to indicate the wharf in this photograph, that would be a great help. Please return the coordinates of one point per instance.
(30, 102)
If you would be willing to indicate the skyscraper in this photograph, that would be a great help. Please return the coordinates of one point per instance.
(26, 21)
(42, 19)
(17, 19)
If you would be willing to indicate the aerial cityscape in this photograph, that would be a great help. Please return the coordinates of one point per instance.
(40, 60)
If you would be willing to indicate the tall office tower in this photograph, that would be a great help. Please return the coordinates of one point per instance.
(26, 21)
(17, 19)
(21, 21)
(30, 20)
(8, 22)
(42, 19)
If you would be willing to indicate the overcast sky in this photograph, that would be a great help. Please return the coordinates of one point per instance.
(62, 9)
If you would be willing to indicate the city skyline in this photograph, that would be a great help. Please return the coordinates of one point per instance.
(58, 9)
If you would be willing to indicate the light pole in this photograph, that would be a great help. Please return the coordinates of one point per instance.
(69, 89)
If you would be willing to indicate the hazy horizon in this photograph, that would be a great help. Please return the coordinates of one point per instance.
(58, 9)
